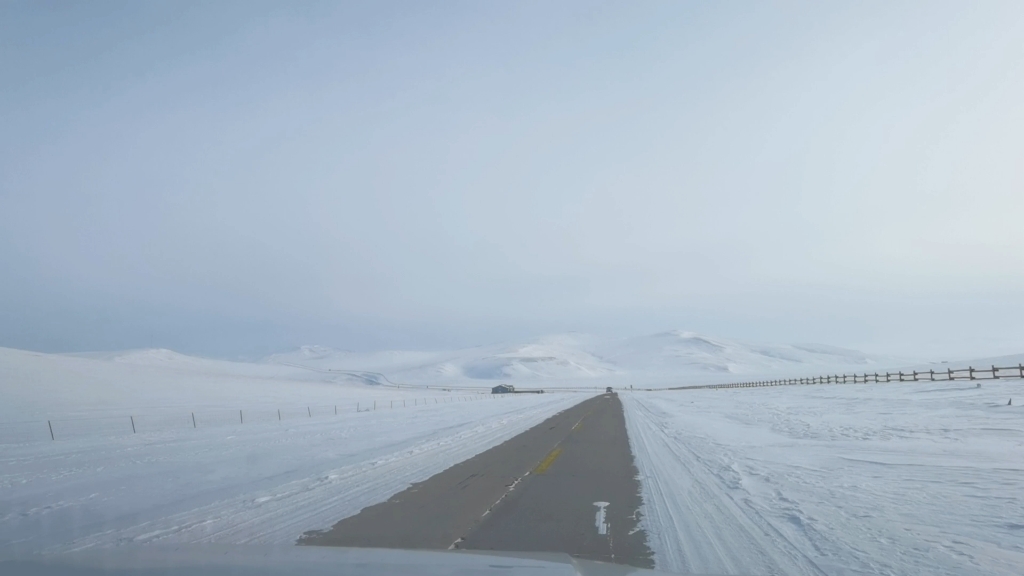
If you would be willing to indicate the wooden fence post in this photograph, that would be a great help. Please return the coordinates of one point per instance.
(133, 424)
(193, 419)
(50, 424)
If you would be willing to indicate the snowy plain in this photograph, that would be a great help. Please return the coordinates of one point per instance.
(900, 478)
(908, 478)
(261, 483)
(37, 385)
(129, 464)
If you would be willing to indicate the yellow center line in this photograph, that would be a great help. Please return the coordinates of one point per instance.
(553, 455)
(547, 461)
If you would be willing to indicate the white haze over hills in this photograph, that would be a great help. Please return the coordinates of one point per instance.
(37, 385)
(578, 358)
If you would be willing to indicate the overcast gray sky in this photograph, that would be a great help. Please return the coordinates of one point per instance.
(234, 178)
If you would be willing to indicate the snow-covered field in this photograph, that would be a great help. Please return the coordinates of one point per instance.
(36, 385)
(908, 479)
(266, 482)
(159, 390)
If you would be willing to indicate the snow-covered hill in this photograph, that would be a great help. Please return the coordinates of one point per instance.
(578, 358)
(691, 352)
(35, 384)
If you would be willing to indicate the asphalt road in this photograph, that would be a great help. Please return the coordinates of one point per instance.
(566, 485)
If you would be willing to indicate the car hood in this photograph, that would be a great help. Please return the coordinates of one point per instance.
(220, 560)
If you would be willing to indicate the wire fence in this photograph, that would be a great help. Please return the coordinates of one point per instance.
(949, 374)
(93, 426)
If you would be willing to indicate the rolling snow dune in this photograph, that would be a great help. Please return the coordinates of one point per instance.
(909, 479)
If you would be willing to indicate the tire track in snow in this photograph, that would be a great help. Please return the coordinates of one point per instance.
(693, 523)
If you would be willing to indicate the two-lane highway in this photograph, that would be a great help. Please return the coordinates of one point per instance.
(567, 485)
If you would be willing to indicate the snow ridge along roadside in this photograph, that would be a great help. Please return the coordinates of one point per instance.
(910, 479)
(693, 524)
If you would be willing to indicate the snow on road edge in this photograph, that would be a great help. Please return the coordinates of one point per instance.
(692, 523)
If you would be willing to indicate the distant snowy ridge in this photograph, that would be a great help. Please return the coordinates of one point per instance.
(577, 356)
(146, 356)
(538, 360)
(689, 351)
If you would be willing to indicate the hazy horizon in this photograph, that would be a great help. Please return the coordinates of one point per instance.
(255, 355)
(241, 178)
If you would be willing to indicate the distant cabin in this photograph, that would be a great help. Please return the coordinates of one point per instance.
(503, 389)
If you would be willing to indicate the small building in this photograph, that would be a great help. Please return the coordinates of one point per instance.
(503, 389)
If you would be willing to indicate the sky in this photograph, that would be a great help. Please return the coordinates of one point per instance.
(236, 178)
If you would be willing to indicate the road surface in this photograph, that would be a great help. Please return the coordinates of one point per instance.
(567, 485)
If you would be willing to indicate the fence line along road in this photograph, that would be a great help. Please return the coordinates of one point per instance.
(969, 373)
(124, 425)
